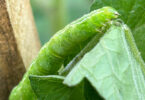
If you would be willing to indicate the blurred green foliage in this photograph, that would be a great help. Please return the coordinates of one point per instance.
(52, 15)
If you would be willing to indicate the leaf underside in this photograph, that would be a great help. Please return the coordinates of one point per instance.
(111, 68)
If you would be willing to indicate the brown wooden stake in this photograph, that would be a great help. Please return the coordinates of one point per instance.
(19, 43)
(24, 29)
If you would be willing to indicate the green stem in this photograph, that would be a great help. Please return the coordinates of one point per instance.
(58, 15)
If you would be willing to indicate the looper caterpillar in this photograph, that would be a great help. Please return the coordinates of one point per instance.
(64, 43)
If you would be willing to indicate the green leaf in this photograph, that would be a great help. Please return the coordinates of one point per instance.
(90, 92)
(133, 14)
(51, 88)
(113, 67)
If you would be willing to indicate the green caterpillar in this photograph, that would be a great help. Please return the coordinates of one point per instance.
(63, 44)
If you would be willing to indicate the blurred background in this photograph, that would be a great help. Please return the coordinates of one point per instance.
(52, 15)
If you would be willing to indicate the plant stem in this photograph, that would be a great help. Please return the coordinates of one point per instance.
(58, 15)
(76, 59)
